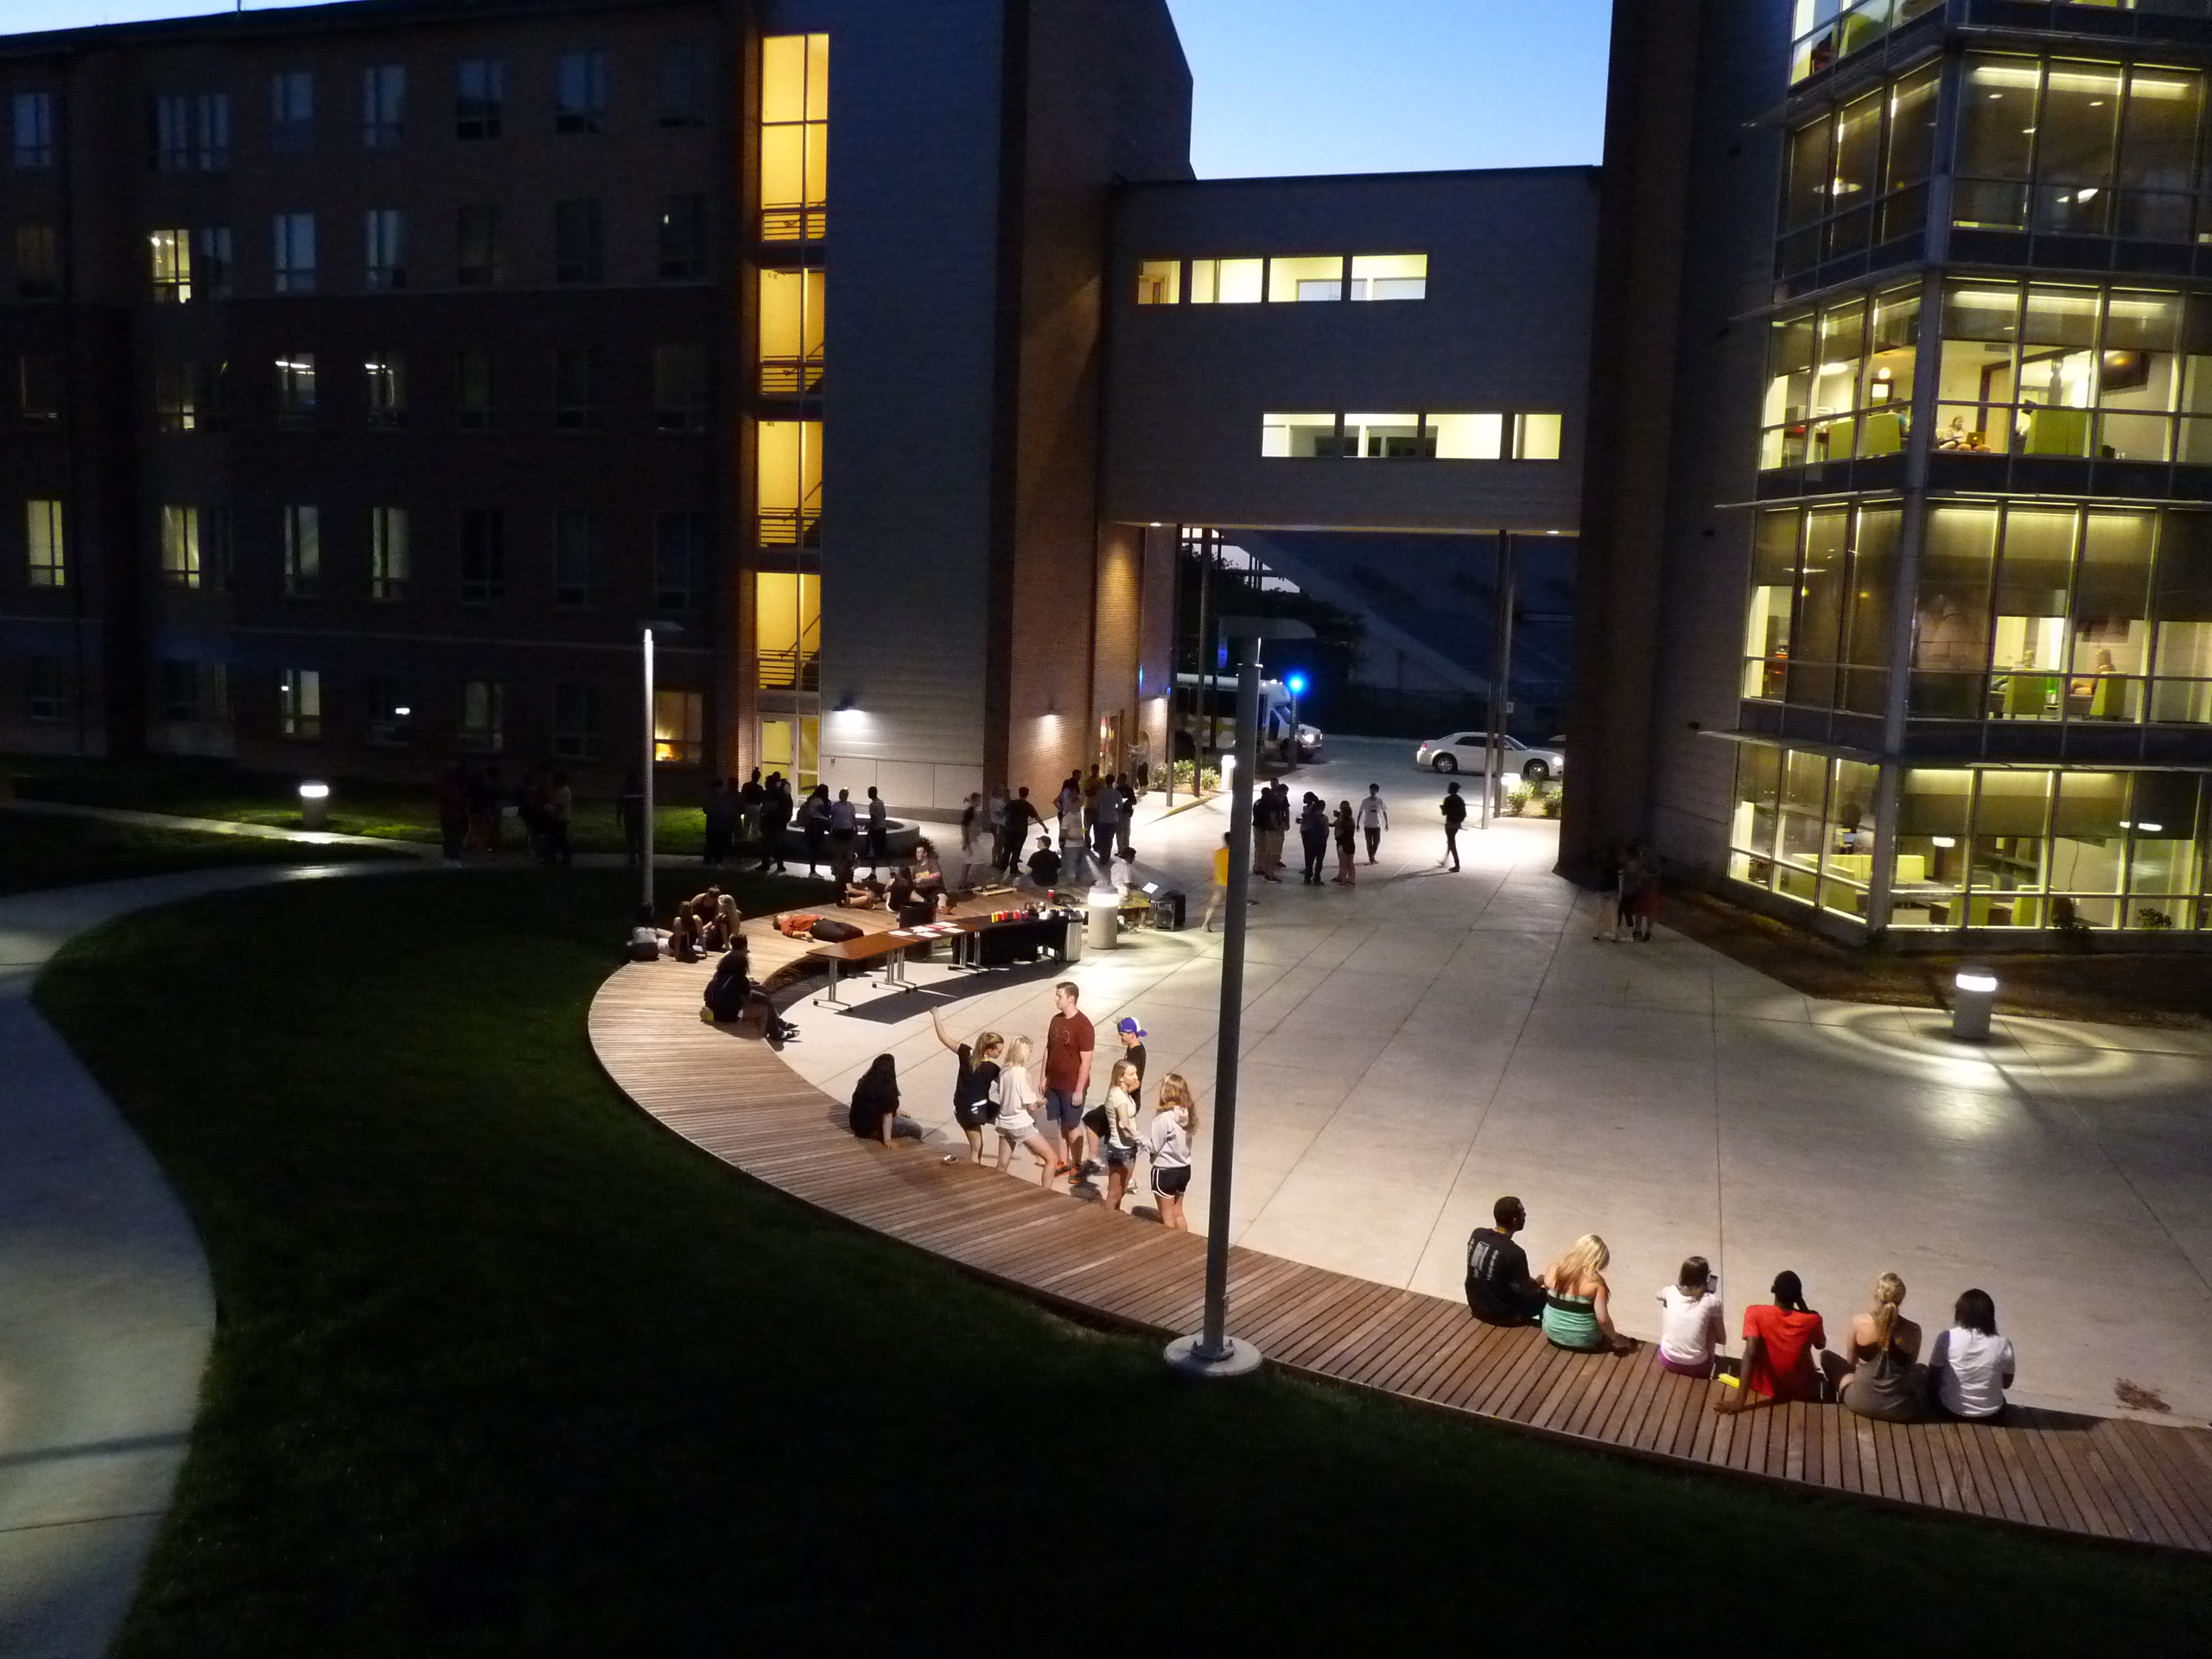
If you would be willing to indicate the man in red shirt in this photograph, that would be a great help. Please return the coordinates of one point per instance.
(1778, 1342)
(1069, 1041)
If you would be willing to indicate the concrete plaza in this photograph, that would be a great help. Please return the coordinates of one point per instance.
(1419, 1045)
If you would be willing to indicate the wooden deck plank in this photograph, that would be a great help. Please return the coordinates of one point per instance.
(736, 1099)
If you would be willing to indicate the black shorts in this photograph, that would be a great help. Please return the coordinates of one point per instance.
(1172, 1182)
(1095, 1120)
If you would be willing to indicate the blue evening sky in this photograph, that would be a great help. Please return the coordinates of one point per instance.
(1304, 85)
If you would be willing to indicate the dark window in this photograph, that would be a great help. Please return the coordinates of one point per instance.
(292, 253)
(682, 238)
(291, 112)
(579, 92)
(38, 262)
(576, 246)
(180, 691)
(192, 132)
(681, 90)
(392, 712)
(191, 397)
(383, 106)
(295, 390)
(483, 555)
(217, 569)
(38, 385)
(385, 382)
(211, 262)
(31, 132)
(679, 388)
(575, 558)
(474, 391)
(45, 688)
(576, 388)
(303, 551)
(576, 722)
(383, 249)
(477, 239)
(480, 97)
(679, 549)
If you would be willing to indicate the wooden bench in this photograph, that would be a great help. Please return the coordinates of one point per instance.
(2055, 1471)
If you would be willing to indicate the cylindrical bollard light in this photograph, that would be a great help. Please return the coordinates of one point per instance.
(1102, 927)
(1973, 993)
(315, 806)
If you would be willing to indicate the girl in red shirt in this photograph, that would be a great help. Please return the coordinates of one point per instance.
(1778, 1342)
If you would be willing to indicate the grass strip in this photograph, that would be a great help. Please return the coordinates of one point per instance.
(503, 1368)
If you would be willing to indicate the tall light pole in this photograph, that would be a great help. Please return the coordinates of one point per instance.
(646, 828)
(1213, 1352)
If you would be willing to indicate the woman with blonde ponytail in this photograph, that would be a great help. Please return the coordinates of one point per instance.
(1886, 1380)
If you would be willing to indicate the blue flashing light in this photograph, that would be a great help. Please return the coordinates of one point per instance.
(1297, 684)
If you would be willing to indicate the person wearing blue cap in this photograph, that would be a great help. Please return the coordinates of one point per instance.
(1133, 1035)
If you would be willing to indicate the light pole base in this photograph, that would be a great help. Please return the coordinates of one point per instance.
(1242, 1359)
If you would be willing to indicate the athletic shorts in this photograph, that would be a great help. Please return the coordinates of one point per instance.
(1173, 1182)
(1062, 1107)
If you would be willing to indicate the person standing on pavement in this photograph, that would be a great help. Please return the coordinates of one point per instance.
(1073, 841)
(749, 807)
(559, 807)
(1313, 835)
(1069, 1042)
(814, 825)
(1132, 1037)
(972, 829)
(1347, 837)
(1454, 808)
(1168, 1139)
(775, 818)
(1105, 825)
(1220, 893)
(879, 833)
(1020, 815)
(1374, 818)
(1126, 795)
(1275, 823)
(844, 834)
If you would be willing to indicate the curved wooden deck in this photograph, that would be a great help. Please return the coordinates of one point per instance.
(2093, 1477)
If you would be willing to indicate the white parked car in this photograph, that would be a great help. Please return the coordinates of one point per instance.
(1462, 752)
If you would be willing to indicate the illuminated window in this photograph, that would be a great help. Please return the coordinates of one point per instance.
(1468, 437)
(295, 392)
(791, 332)
(170, 254)
(1535, 437)
(1226, 281)
(303, 551)
(787, 629)
(299, 702)
(385, 380)
(1285, 436)
(790, 483)
(45, 544)
(1383, 437)
(180, 546)
(679, 728)
(794, 136)
(388, 554)
(1159, 282)
(1389, 276)
(1319, 277)
(792, 745)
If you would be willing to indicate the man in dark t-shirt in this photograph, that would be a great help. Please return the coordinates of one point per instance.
(1499, 1289)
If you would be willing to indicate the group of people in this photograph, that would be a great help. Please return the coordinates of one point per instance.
(1629, 882)
(472, 807)
(1879, 1371)
(1051, 1115)
(1089, 823)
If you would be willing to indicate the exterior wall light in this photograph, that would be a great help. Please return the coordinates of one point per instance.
(1975, 992)
(315, 806)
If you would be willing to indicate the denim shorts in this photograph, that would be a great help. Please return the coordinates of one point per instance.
(1064, 1108)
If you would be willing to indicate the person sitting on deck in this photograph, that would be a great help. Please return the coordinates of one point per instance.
(645, 938)
(876, 1115)
(929, 873)
(1778, 1342)
(685, 933)
(1691, 1327)
(1044, 864)
(719, 929)
(1971, 1365)
(731, 995)
(1576, 1315)
(1499, 1289)
(1885, 1380)
(864, 895)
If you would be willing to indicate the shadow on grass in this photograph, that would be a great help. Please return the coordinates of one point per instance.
(502, 1368)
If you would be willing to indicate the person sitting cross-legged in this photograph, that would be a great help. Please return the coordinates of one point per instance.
(1499, 1288)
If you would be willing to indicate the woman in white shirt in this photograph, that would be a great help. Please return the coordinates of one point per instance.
(1014, 1094)
(1971, 1364)
(1168, 1137)
(1691, 1325)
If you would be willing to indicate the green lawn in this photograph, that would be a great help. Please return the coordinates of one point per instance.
(38, 852)
(505, 1368)
(399, 811)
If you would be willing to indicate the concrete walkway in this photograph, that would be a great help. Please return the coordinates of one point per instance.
(1420, 1043)
(217, 827)
(106, 1309)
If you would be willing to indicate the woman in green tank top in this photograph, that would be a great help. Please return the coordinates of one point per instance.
(1576, 1315)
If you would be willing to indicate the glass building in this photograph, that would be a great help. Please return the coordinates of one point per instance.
(1976, 672)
